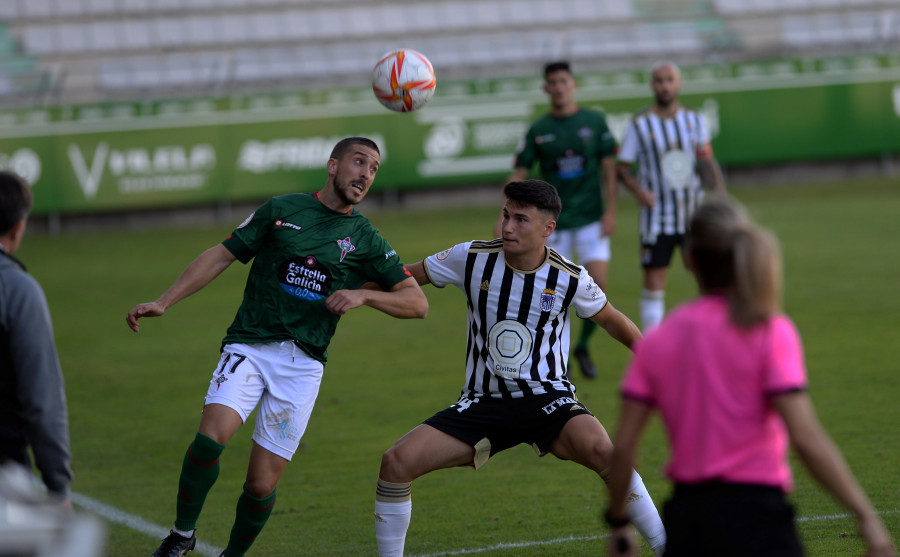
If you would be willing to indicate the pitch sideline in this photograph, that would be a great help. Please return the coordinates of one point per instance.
(112, 514)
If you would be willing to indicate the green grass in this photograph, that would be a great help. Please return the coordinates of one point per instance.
(135, 400)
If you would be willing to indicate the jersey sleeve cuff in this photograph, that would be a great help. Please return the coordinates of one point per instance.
(238, 248)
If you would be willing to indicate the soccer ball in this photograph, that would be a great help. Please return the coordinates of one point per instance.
(403, 80)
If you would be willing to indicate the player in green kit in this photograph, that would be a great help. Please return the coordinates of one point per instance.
(311, 253)
(572, 145)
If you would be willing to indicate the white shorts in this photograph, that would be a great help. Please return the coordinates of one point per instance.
(279, 376)
(589, 241)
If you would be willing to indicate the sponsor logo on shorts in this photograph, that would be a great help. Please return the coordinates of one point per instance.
(390, 254)
(559, 403)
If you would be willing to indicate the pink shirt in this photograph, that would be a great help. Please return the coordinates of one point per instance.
(711, 381)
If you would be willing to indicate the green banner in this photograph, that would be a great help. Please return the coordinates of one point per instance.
(166, 153)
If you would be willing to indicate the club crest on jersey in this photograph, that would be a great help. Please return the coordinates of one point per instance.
(548, 298)
(346, 247)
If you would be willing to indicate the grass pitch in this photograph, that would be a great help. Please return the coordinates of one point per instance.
(135, 400)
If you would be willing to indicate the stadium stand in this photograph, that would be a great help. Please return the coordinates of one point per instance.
(88, 50)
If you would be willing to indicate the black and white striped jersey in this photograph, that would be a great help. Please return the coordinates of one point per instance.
(518, 321)
(666, 152)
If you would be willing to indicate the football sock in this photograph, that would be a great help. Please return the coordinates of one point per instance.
(587, 329)
(653, 308)
(643, 514)
(249, 518)
(199, 471)
(393, 508)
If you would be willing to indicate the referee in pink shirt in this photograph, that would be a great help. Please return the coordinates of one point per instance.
(727, 375)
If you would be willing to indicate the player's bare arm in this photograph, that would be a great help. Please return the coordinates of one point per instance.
(644, 197)
(826, 463)
(632, 420)
(611, 185)
(405, 300)
(518, 174)
(417, 270)
(710, 174)
(617, 325)
(202, 270)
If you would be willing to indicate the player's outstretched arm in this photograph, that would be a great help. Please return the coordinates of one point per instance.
(617, 325)
(198, 274)
(405, 300)
(827, 465)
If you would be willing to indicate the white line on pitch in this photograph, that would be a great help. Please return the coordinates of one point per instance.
(513, 545)
(136, 523)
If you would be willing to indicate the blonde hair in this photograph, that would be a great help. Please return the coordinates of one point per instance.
(732, 254)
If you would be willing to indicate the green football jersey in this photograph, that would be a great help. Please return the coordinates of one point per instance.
(569, 151)
(302, 252)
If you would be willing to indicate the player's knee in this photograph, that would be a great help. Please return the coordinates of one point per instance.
(260, 488)
(392, 469)
(601, 452)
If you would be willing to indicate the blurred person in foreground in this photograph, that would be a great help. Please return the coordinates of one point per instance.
(574, 148)
(32, 391)
(521, 296)
(670, 145)
(727, 375)
(311, 253)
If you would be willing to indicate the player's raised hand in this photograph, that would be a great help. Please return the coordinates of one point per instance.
(152, 309)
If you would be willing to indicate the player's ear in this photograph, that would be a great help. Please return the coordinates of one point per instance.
(549, 227)
(332, 166)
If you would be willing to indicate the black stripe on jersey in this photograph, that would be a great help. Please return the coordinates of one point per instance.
(561, 263)
(522, 317)
(549, 284)
(480, 327)
(481, 246)
(663, 202)
(570, 294)
(470, 340)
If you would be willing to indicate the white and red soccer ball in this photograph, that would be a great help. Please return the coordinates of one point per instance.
(403, 80)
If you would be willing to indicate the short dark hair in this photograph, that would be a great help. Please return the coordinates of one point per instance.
(535, 193)
(558, 66)
(15, 200)
(344, 145)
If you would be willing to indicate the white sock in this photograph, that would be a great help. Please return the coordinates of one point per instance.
(653, 308)
(393, 508)
(644, 516)
(183, 533)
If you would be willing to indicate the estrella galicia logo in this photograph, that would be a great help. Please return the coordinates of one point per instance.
(304, 278)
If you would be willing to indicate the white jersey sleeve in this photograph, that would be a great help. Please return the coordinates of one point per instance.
(589, 299)
(631, 147)
(448, 266)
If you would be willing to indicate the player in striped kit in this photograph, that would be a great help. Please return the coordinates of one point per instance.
(671, 146)
(520, 296)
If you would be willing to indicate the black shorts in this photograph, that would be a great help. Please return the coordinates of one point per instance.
(738, 520)
(492, 425)
(659, 254)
